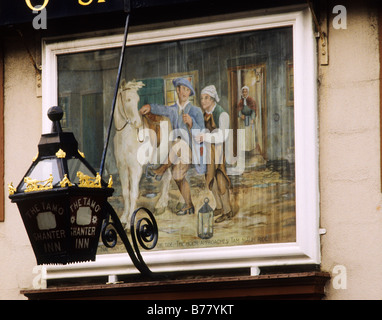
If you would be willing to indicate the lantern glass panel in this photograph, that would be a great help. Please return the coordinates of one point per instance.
(74, 166)
(41, 173)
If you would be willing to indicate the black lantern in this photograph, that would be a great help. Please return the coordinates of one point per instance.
(61, 199)
(205, 221)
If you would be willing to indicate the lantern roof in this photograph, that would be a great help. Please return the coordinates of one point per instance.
(58, 164)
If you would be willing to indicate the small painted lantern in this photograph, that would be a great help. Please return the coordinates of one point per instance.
(205, 221)
(61, 199)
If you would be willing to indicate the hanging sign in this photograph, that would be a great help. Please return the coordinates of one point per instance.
(15, 12)
(40, 7)
(63, 226)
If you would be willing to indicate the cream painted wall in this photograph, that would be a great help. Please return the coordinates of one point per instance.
(349, 137)
(350, 189)
(22, 116)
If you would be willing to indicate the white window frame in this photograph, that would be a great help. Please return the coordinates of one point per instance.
(306, 249)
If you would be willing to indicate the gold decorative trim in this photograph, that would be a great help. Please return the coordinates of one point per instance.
(11, 189)
(81, 154)
(110, 184)
(65, 182)
(89, 182)
(35, 185)
(60, 154)
(35, 157)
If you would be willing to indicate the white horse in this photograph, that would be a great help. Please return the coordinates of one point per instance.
(133, 137)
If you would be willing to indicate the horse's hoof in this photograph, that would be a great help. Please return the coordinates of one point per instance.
(124, 223)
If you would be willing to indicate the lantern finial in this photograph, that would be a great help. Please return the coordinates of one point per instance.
(55, 114)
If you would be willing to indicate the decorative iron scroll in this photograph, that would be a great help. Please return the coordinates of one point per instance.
(145, 231)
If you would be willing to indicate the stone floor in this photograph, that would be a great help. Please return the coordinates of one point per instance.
(263, 203)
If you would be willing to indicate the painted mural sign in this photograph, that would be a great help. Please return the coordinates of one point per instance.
(203, 134)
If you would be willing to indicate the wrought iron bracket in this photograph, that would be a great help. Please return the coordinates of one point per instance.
(143, 231)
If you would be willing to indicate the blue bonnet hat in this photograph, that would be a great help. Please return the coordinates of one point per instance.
(183, 82)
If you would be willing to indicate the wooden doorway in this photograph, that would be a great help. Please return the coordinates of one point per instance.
(253, 77)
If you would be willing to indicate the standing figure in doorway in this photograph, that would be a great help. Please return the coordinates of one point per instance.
(247, 111)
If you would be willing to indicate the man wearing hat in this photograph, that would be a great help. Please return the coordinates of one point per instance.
(216, 120)
(186, 121)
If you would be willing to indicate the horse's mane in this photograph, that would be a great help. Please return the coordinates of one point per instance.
(131, 85)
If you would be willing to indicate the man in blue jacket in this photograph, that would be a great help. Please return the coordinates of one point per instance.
(187, 122)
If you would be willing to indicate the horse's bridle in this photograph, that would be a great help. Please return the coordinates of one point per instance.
(127, 121)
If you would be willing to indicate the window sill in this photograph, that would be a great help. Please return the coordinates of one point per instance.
(303, 285)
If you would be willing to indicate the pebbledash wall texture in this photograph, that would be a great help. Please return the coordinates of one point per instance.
(349, 155)
(349, 147)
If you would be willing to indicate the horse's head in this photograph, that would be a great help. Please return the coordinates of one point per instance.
(127, 104)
